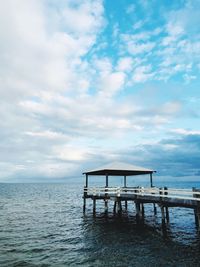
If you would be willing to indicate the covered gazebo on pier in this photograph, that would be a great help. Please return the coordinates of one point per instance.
(119, 169)
(113, 169)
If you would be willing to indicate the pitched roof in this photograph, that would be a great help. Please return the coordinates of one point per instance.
(119, 169)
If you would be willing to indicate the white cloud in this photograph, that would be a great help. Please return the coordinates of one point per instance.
(42, 59)
(111, 83)
(174, 30)
(125, 64)
(176, 45)
(142, 74)
(103, 65)
(188, 78)
(47, 135)
(85, 18)
(185, 131)
(171, 107)
(169, 147)
(139, 48)
(70, 153)
(41, 52)
(137, 43)
(138, 24)
(135, 38)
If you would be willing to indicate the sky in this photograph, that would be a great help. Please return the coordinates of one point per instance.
(87, 82)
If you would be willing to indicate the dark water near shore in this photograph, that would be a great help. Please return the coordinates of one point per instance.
(43, 225)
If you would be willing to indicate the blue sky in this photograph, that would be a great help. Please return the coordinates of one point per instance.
(84, 83)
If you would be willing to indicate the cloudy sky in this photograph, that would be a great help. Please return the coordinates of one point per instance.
(87, 82)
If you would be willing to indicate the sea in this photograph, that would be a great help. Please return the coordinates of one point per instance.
(43, 225)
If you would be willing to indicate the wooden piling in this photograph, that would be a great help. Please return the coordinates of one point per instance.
(166, 208)
(163, 215)
(106, 195)
(198, 216)
(167, 214)
(142, 212)
(162, 210)
(137, 208)
(142, 209)
(126, 205)
(106, 206)
(94, 206)
(84, 204)
(84, 197)
(114, 207)
(119, 206)
(197, 209)
(154, 209)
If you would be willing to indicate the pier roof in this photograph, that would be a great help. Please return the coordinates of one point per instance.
(119, 169)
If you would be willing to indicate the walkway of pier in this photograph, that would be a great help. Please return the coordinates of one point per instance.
(163, 198)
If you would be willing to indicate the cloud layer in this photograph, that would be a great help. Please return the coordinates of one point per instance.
(80, 87)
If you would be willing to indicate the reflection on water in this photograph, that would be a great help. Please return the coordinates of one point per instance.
(43, 225)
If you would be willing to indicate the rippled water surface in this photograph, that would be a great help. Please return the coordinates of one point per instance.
(43, 225)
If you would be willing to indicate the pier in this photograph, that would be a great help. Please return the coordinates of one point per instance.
(162, 198)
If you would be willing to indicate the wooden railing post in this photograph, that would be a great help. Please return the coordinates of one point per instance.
(160, 192)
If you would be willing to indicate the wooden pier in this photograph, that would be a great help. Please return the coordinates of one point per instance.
(164, 197)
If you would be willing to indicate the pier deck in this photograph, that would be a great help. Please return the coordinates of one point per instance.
(169, 197)
(164, 197)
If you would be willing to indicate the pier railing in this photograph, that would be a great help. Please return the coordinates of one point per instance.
(185, 194)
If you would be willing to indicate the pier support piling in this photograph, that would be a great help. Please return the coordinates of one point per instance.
(114, 207)
(94, 206)
(119, 206)
(196, 218)
(163, 216)
(154, 209)
(167, 214)
(84, 204)
(166, 208)
(197, 209)
(142, 208)
(106, 206)
(126, 205)
(162, 192)
(137, 208)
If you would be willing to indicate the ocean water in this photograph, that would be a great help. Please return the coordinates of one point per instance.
(43, 225)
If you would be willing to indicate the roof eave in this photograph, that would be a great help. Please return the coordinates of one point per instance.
(119, 172)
